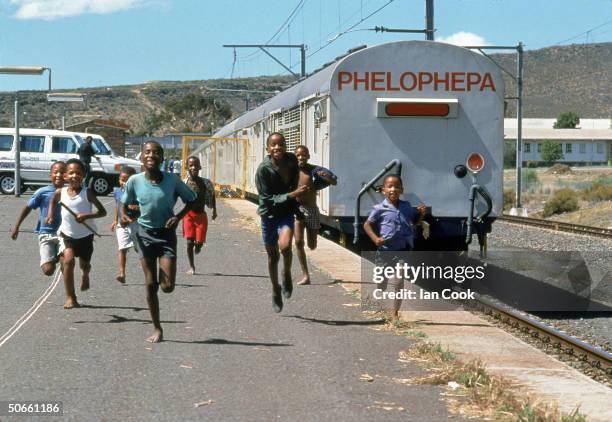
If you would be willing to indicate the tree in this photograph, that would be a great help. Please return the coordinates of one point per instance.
(567, 120)
(551, 151)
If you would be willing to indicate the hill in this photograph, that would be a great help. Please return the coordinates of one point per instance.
(556, 79)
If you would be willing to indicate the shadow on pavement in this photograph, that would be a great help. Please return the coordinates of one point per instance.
(115, 319)
(335, 322)
(133, 308)
(222, 341)
(233, 275)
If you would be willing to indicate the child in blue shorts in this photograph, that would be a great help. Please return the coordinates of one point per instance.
(389, 226)
(277, 184)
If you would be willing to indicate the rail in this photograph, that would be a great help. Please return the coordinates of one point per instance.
(595, 356)
(557, 225)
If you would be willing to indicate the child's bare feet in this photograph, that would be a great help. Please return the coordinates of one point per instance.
(84, 282)
(198, 248)
(304, 281)
(191, 271)
(156, 337)
(120, 278)
(71, 303)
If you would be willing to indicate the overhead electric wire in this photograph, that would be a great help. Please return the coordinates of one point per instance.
(300, 4)
(349, 28)
(588, 31)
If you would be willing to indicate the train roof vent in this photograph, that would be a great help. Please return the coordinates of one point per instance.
(352, 50)
(341, 57)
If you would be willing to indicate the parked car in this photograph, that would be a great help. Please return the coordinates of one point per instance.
(42, 147)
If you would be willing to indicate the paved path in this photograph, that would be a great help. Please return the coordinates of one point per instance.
(223, 342)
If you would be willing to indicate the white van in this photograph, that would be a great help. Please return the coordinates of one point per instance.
(40, 148)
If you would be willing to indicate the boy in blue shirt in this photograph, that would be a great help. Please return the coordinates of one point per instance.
(389, 226)
(156, 193)
(48, 240)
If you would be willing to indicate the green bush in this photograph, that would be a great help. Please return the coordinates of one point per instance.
(564, 200)
(597, 192)
(531, 164)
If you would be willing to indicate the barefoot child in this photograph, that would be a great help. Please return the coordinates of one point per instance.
(389, 226)
(76, 240)
(195, 223)
(156, 192)
(276, 180)
(48, 242)
(316, 178)
(124, 234)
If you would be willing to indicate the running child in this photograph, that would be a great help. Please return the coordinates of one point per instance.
(156, 193)
(124, 234)
(315, 178)
(389, 226)
(48, 241)
(75, 238)
(277, 183)
(195, 223)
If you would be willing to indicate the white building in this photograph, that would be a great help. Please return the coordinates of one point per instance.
(589, 143)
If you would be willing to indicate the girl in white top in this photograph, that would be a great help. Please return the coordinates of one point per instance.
(76, 240)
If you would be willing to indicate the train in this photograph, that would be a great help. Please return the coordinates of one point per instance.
(429, 111)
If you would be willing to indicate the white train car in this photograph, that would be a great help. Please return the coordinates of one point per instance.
(419, 107)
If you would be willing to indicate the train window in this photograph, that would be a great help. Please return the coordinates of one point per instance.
(539, 147)
(527, 147)
(568, 148)
(600, 148)
(582, 148)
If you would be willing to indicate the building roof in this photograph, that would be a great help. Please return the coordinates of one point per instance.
(561, 134)
(547, 123)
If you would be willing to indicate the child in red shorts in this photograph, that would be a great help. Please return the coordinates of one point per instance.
(195, 222)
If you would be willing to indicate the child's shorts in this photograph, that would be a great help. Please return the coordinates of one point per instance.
(271, 228)
(154, 243)
(195, 225)
(124, 236)
(48, 246)
(312, 218)
(82, 248)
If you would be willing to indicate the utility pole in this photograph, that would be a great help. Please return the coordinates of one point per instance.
(429, 20)
(263, 47)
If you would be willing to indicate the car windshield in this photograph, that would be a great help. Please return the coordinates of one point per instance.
(98, 145)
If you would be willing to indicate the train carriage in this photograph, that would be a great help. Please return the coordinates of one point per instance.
(432, 111)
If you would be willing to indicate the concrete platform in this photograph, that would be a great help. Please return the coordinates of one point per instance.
(474, 338)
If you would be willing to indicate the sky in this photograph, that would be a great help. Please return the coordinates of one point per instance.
(89, 43)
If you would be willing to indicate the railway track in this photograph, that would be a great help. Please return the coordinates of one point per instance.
(595, 356)
(557, 225)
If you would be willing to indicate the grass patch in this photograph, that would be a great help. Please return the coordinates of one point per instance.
(472, 392)
(598, 192)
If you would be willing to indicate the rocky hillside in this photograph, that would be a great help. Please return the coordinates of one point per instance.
(559, 79)
(556, 79)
